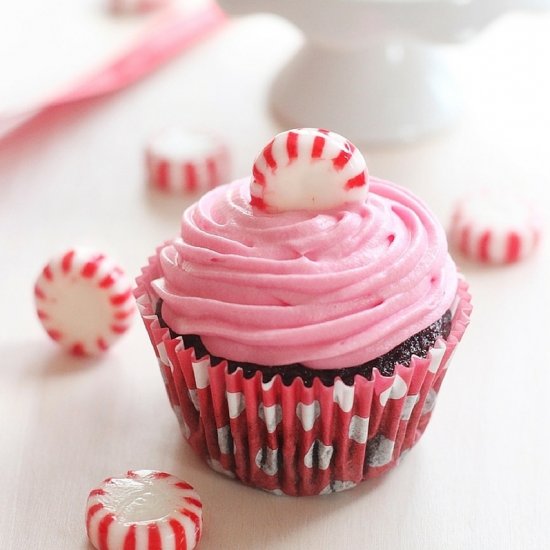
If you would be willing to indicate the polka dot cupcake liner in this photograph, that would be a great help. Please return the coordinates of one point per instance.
(296, 440)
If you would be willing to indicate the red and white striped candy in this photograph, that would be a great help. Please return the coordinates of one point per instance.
(142, 511)
(308, 169)
(136, 6)
(84, 301)
(184, 162)
(494, 227)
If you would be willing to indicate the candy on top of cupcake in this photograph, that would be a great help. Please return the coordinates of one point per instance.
(308, 169)
(293, 301)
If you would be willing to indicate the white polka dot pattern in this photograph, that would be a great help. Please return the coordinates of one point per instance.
(319, 455)
(337, 487)
(358, 429)
(235, 403)
(299, 440)
(271, 415)
(396, 391)
(408, 406)
(308, 414)
(379, 451)
(429, 404)
(266, 460)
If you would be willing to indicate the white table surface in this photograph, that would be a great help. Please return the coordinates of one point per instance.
(479, 478)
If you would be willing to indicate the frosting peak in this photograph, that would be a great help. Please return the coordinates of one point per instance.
(328, 289)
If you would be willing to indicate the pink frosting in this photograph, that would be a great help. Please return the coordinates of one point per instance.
(329, 290)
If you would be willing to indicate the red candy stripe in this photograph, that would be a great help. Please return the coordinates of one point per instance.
(130, 539)
(182, 162)
(492, 227)
(308, 145)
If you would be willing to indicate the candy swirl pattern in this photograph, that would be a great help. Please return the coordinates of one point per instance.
(329, 289)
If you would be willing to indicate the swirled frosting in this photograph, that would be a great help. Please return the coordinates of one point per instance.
(328, 289)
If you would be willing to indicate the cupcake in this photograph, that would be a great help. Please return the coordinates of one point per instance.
(304, 319)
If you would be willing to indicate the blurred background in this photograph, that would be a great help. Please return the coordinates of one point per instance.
(442, 96)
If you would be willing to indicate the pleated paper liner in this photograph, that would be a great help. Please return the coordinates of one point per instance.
(293, 439)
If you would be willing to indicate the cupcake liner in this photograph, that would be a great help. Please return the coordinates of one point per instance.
(298, 440)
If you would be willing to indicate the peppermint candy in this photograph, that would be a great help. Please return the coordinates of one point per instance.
(144, 509)
(84, 301)
(495, 227)
(183, 162)
(308, 169)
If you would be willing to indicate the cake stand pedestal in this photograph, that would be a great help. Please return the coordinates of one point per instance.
(371, 69)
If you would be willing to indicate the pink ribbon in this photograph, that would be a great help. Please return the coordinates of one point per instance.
(171, 35)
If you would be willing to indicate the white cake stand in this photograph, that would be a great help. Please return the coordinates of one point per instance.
(370, 69)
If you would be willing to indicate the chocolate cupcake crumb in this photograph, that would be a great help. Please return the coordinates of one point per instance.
(417, 345)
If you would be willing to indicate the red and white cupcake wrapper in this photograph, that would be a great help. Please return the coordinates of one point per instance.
(293, 439)
(182, 162)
